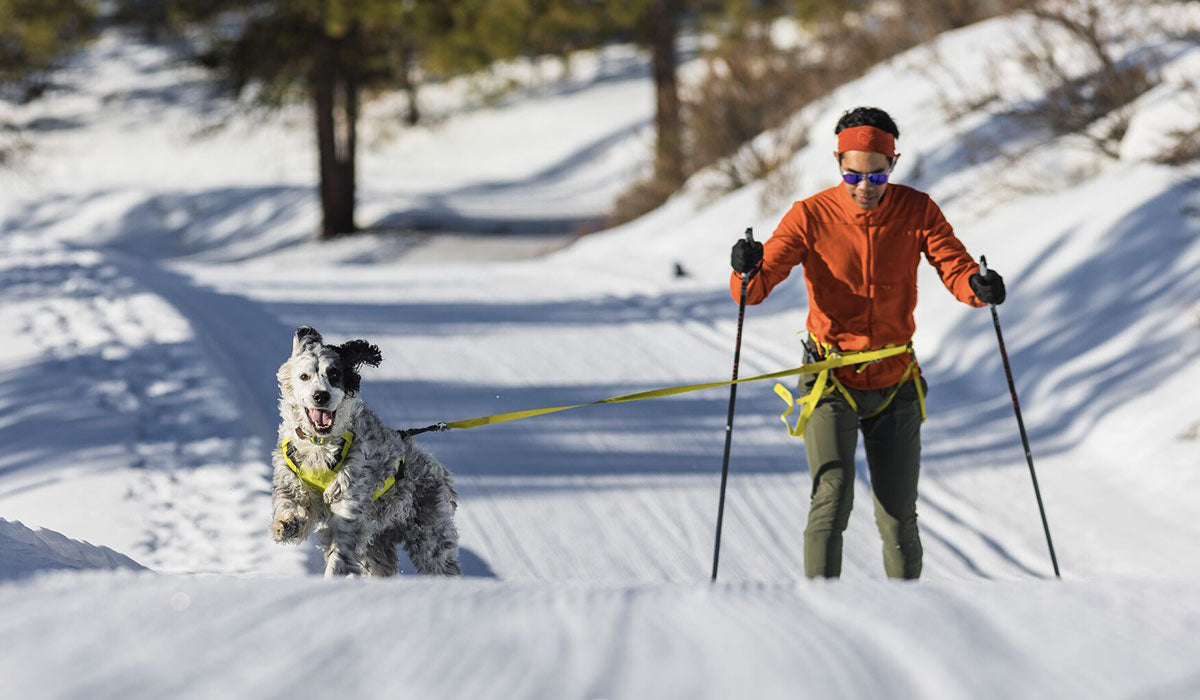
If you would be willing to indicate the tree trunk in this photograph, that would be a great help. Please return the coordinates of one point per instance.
(335, 101)
(408, 82)
(668, 155)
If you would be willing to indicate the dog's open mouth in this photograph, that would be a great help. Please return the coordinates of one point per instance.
(321, 420)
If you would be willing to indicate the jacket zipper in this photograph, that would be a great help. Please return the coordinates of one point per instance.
(869, 278)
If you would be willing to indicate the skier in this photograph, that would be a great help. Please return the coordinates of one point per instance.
(859, 243)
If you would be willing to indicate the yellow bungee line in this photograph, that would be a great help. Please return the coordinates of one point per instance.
(831, 362)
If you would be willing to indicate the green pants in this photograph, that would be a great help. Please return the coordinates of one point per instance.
(893, 445)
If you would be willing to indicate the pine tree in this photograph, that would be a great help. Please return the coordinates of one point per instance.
(331, 52)
(662, 25)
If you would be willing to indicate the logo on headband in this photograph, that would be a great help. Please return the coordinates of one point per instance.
(867, 138)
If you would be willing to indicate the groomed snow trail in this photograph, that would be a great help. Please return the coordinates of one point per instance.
(200, 637)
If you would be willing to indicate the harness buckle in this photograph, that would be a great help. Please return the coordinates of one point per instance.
(815, 350)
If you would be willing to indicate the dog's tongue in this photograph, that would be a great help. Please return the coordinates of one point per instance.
(321, 419)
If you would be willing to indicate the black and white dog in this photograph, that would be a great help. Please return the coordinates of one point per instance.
(339, 466)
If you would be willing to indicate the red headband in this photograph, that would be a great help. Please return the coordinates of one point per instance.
(866, 138)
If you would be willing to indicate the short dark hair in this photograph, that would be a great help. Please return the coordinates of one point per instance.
(867, 116)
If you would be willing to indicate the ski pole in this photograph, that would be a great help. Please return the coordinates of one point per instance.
(737, 354)
(1012, 388)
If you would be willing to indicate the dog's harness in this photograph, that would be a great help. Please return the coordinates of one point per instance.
(321, 477)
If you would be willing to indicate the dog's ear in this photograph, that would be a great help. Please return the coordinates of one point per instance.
(305, 335)
(359, 352)
(356, 353)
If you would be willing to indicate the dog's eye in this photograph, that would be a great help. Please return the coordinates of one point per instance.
(333, 375)
(304, 377)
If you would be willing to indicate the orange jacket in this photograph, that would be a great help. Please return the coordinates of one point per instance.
(860, 266)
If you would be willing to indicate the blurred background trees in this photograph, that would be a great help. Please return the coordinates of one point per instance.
(337, 53)
(34, 37)
(763, 60)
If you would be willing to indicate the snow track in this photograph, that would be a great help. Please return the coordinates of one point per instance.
(126, 372)
(594, 641)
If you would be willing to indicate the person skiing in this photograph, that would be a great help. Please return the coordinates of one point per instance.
(860, 243)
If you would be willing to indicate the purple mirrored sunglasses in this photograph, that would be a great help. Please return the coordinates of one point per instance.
(875, 179)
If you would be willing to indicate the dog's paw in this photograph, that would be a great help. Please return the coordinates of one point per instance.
(287, 529)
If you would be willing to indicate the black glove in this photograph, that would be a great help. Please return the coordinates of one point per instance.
(989, 288)
(746, 256)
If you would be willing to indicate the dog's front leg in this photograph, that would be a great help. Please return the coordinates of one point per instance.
(345, 532)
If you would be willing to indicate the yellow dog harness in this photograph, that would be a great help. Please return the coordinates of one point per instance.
(321, 477)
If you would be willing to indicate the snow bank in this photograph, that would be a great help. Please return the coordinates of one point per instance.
(24, 552)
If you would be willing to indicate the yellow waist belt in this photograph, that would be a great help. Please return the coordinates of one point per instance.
(827, 383)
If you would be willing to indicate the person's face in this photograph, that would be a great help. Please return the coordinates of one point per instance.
(864, 193)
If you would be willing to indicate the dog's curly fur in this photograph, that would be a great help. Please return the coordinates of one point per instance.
(318, 388)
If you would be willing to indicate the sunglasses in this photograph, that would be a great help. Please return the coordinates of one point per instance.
(875, 179)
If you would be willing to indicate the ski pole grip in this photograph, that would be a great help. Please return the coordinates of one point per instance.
(750, 239)
(983, 268)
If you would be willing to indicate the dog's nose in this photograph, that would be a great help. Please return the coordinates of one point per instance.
(320, 397)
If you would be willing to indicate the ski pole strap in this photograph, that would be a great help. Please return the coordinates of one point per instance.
(824, 365)
(827, 383)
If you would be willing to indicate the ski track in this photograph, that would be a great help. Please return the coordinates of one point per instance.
(143, 386)
(774, 641)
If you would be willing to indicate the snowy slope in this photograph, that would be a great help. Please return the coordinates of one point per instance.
(150, 284)
(24, 552)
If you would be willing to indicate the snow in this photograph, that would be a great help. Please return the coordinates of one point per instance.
(595, 641)
(26, 552)
(151, 279)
